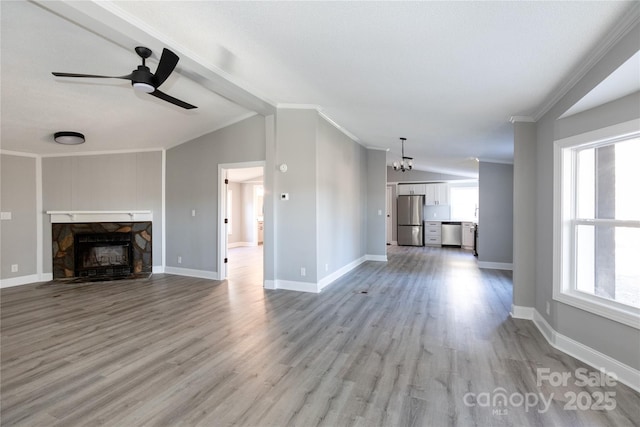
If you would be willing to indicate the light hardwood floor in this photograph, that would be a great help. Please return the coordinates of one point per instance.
(392, 344)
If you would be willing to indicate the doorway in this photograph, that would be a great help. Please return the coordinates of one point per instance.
(241, 222)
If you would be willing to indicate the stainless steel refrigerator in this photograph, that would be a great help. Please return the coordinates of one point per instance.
(410, 217)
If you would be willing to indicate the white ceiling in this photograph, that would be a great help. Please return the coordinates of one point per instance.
(246, 175)
(445, 75)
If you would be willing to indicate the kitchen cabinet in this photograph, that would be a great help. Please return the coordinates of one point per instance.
(411, 189)
(432, 233)
(437, 194)
(468, 230)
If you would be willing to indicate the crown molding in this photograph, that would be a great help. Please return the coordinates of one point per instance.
(621, 29)
(19, 154)
(340, 128)
(524, 119)
(503, 162)
(288, 106)
(101, 153)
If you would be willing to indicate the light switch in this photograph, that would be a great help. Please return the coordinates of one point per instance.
(5, 216)
(193, 212)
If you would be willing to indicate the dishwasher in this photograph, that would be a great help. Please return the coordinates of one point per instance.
(451, 234)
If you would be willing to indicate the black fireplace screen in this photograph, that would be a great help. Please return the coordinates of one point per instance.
(103, 254)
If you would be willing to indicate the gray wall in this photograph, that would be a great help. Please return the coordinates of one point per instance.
(496, 213)
(192, 183)
(296, 218)
(524, 236)
(342, 199)
(18, 196)
(616, 340)
(376, 201)
(103, 182)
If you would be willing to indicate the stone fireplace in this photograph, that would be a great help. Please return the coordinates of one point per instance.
(100, 249)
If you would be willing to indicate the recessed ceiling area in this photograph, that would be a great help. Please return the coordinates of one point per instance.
(445, 75)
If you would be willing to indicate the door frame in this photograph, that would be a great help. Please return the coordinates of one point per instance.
(389, 214)
(223, 237)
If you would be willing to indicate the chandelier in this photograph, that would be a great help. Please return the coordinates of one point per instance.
(406, 164)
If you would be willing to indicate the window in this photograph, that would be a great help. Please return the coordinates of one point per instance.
(597, 223)
(464, 202)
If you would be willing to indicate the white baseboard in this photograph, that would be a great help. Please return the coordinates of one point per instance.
(291, 285)
(519, 312)
(240, 244)
(327, 280)
(188, 272)
(157, 269)
(25, 280)
(495, 265)
(380, 258)
(20, 280)
(624, 373)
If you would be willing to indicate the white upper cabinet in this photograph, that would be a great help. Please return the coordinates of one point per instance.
(411, 189)
(437, 194)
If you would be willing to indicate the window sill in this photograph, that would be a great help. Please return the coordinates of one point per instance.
(595, 305)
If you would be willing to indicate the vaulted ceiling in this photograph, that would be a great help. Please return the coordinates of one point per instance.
(445, 75)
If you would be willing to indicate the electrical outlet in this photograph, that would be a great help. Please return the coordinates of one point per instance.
(548, 308)
(14, 268)
(179, 260)
(326, 267)
(303, 271)
(193, 212)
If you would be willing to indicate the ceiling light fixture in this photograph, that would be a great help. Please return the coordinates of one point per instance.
(406, 164)
(68, 138)
(143, 87)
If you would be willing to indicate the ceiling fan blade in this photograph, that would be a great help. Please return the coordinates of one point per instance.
(171, 99)
(167, 64)
(93, 76)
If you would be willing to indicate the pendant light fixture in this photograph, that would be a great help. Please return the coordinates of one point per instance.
(406, 164)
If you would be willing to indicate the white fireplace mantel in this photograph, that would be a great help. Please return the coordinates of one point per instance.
(99, 216)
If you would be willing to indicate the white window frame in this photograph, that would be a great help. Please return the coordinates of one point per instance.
(564, 223)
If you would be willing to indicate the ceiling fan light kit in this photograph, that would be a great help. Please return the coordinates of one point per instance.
(142, 79)
(68, 138)
(406, 163)
(143, 87)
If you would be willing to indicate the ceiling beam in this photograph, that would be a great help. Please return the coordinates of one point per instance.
(111, 23)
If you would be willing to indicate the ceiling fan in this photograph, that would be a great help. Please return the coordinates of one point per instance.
(143, 79)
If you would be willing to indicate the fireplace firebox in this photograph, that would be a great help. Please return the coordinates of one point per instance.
(103, 254)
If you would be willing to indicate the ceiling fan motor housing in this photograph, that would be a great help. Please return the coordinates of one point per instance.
(143, 75)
